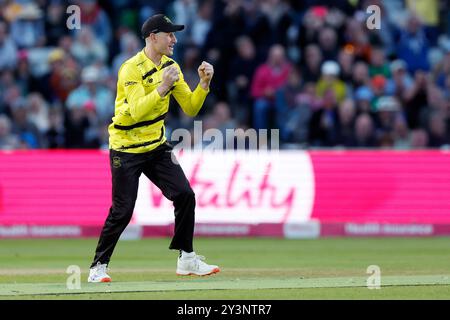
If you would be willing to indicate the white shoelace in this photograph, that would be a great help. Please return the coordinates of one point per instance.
(101, 267)
(199, 259)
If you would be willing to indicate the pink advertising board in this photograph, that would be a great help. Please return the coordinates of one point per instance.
(286, 193)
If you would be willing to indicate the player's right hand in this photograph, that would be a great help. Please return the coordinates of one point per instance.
(170, 76)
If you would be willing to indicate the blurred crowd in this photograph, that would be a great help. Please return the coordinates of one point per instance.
(316, 70)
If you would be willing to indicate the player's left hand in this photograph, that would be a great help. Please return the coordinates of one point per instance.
(205, 72)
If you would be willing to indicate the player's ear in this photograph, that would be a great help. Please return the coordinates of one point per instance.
(152, 37)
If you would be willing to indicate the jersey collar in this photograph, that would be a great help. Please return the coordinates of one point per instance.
(164, 59)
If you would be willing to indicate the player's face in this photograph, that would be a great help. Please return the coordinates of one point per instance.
(165, 42)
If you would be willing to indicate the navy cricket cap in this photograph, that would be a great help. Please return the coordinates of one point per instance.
(159, 23)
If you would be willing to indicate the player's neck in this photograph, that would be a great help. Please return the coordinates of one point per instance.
(153, 55)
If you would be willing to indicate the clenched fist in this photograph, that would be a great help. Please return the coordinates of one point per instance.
(169, 77)
(205, 72)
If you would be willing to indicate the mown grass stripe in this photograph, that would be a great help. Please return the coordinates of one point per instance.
(210, 284)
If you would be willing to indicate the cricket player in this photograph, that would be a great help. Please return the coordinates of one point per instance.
(138, 145)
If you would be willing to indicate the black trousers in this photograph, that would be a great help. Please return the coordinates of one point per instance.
(168, 176)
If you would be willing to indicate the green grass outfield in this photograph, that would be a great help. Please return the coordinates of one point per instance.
(252, 268)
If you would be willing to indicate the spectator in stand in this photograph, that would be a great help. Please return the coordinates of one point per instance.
(360, 75)
(55, 134)
(61, 79)
(24, 77)
(94, 17)
(6, 83)
(378, 64)
(363, 99)
(310, 67)
(8, 48)
(413, 45)
(312, 22)
(11, 94)
(330, 81)
(387, 111)
(8, 140)
(77, 124)
(221, 117)
(346, 59)
(269, 77)
(286, 103)
(28, 133)
(229, 22)
(296, 127)
(328, 42)
(65, 43)
(347, 115)
(435, 98)
(202, 23)
(447, 88)
(428, 12)
(184, 12)
(378, 86)
(91, 90)
(242, 69)
(190, 62)
(38, 112)
(439, 133)
(401, 80)
(87, 49)
(442, 69)
(324, 123)
(270, 24)
(55, 22)
(357, 39)
(129, 46)
(416, 99)
(27, 28)
(401, 133)
(364, 136)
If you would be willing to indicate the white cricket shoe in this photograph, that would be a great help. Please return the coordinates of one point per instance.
(98, 273)
(192, 264)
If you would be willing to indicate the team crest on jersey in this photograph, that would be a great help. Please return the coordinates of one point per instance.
(116, 162)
